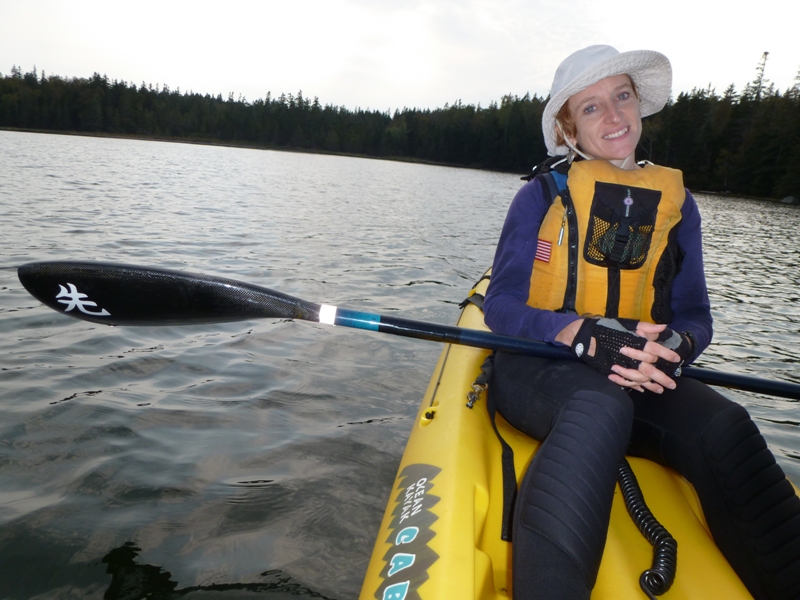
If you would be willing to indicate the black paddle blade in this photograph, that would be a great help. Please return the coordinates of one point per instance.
(116, 294)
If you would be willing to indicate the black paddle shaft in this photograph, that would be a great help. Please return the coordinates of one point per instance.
(118, 294)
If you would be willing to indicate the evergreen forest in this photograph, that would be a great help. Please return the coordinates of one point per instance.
(745, 143)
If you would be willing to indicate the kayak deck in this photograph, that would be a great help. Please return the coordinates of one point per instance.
(440, 535)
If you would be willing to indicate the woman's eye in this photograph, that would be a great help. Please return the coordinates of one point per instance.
(624, 95)
(589, 109)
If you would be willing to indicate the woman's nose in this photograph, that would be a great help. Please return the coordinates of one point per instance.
(613, 114)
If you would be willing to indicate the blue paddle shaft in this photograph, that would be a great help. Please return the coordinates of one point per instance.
(116, 294)
(484, 339)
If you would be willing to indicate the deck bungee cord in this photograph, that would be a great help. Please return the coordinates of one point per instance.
(658, 579)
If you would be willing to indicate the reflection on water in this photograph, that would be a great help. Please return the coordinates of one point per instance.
(262, 453)
(130, 579)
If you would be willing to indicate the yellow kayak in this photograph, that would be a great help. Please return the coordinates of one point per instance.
(440, 534)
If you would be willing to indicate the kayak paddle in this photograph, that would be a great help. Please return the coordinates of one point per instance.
(119, 294)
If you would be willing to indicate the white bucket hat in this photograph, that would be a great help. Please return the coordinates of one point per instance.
(649, 70)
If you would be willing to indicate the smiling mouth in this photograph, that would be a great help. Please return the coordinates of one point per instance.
(616, 134)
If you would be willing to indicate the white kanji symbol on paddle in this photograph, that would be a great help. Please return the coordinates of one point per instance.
(75, 298)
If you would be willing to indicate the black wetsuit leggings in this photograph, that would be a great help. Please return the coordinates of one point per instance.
(588, 424)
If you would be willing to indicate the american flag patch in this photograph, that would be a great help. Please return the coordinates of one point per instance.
(543, 248)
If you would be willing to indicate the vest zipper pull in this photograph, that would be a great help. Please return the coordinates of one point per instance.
(628, 202)
(563, 224)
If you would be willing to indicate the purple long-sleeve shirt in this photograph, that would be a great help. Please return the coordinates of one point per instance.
(506, 309)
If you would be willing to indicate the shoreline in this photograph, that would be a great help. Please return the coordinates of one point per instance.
(794, 202)
(209, 142)
(789, 201)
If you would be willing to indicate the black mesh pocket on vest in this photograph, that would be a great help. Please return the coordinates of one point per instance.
(621, 225)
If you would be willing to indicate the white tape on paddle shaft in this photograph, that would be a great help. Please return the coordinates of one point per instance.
(327, 314)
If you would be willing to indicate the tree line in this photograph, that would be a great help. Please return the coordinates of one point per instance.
(743, 143)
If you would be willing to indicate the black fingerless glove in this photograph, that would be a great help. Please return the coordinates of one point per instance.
(611, 335)
(679, 343)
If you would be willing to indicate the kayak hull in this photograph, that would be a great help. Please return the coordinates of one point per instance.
(440, 535)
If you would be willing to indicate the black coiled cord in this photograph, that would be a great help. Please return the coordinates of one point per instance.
(659, 578)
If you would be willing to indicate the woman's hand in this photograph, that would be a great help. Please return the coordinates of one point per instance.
(646, 376)
(566, 335)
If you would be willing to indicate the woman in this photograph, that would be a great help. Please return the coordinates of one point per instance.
(613, 268)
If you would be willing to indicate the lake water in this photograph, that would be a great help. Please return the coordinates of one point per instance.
(258, 456)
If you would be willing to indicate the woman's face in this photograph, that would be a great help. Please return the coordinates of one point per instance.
(608, 122)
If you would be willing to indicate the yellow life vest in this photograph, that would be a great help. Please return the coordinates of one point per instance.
(607, 246)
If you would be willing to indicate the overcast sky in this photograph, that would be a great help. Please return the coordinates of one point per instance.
(387, 54)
